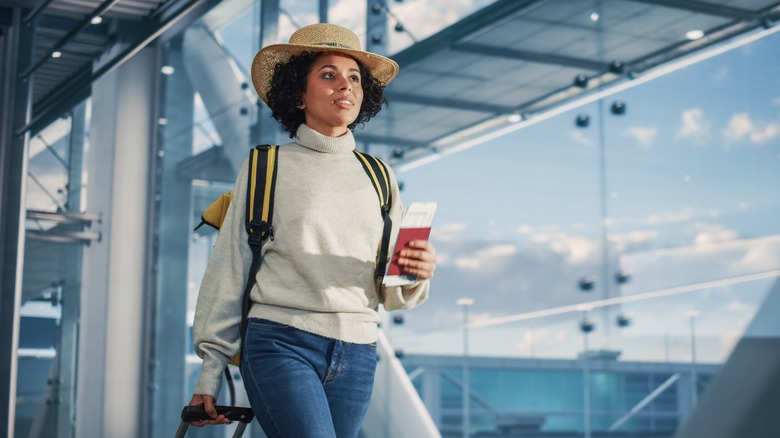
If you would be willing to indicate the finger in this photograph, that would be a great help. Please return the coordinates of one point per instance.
(420, 274)
(424, 261)
(421, 270)
(208, 406)
(421, 244)
(220, 420)
(418, 255)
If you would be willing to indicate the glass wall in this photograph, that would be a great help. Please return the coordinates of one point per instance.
(657, 224)
(56, 230)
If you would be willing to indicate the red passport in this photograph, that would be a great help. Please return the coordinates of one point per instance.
(405, 235)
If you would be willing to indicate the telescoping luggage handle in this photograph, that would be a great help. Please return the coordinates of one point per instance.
(232, 413)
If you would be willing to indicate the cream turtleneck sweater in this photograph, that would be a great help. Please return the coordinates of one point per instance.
(318, 273)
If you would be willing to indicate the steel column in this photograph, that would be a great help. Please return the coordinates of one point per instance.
(71, 289)
(266, 129)
(170, 335)
(376, 26)
(15, 97)
(324, 11)
(112, 351)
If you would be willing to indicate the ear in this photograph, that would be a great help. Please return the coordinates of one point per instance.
(302, 105)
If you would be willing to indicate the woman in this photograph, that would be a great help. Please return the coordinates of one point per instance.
(310, 345)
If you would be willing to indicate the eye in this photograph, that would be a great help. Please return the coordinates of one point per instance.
(355, 78)
(328, 75)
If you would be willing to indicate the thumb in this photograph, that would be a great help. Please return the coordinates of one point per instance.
(208, 406)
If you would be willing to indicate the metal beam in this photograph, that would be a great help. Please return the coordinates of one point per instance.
(526, 55)
(447, 103)
(106, 5)
(78, 86)
(493, 14)
(67, 218)
(62, 236)
(35, 12)
(705, 8)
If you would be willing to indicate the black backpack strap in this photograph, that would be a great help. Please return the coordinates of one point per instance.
(259, 212)
(378, 174)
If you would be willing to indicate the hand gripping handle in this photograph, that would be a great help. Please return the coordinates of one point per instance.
(232, 413)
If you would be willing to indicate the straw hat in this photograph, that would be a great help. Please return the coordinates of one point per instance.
(321, 37)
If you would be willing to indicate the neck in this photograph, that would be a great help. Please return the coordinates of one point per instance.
(315, 140)
(330, 131)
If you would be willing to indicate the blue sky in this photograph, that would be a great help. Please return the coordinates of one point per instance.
(691, 169)
(691, 196)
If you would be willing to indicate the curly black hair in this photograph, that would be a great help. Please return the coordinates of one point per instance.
(288, 84)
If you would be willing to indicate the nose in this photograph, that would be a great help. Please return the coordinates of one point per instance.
(345, 83)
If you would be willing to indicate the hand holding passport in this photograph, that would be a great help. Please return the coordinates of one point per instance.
(415, 225)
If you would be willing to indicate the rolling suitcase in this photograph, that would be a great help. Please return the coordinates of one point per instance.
(232, 413)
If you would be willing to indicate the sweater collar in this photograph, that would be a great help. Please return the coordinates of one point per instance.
(312, 139)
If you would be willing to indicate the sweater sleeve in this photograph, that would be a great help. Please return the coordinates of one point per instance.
(407, 296)
(218, 309)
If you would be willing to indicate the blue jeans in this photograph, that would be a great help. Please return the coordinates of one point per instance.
(303, 385)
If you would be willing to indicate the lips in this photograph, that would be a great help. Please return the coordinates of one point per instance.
(344, 103)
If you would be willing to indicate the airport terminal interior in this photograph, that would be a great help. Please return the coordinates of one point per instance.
(606, 174)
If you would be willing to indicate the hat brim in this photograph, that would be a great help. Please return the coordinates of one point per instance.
(382, 68)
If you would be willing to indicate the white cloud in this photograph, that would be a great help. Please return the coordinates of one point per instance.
(720, 75)
(736, 305)
(643, 135)
(581, 138)
(669, 217)
(742, 126)
(539, 233)
(487, 259)
(622, 242)
(713, 233)
(739, 126)
(350, 14)
(448, 232)
(767, 132)
(525, 229)
(577, 249)
(443, 259)
(694, 126)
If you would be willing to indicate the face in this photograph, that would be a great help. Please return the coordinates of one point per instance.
(333, 95)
